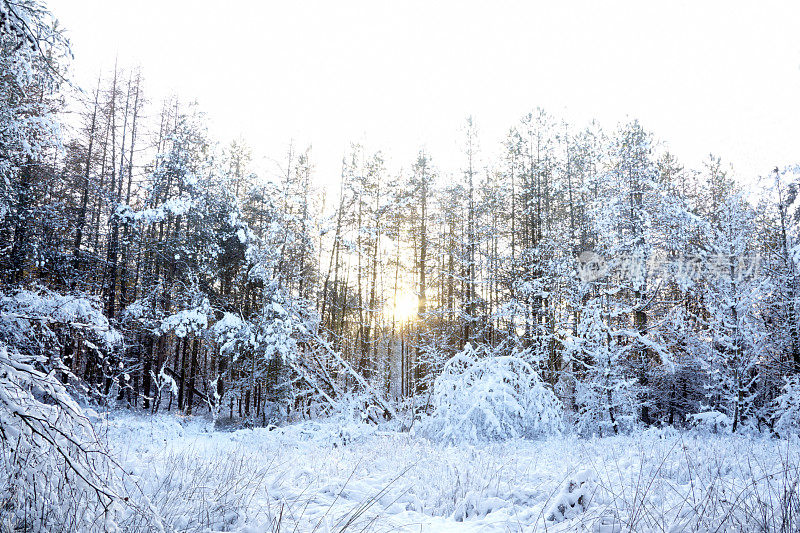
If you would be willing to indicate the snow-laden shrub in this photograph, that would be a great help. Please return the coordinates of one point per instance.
(483, 397)
(786, 411)
(573, 498)
(711, 421)
(352, 406)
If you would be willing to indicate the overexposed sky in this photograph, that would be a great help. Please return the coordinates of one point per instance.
(720, 77)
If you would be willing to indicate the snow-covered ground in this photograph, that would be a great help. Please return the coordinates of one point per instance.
(325, 476)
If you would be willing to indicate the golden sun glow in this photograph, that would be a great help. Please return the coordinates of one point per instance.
(405, 306)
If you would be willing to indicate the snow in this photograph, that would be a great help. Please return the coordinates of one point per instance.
(325, 474)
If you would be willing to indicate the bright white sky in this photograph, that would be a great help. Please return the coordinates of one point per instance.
(720, 77)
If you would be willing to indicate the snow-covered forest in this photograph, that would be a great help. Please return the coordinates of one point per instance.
(569, 330)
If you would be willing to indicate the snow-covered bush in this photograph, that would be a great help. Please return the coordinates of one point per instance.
(711, 421)
(355, 406)
(573, 498)
(786, 411)
(481, 396)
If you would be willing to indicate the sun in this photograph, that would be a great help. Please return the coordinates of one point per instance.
(404, 307)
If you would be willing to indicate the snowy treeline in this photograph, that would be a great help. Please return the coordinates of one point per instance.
(567, 279)
(638, 291)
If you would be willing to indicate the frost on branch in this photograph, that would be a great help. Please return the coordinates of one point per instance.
(481, 396)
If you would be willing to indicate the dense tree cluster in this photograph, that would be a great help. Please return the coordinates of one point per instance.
(639, 291)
